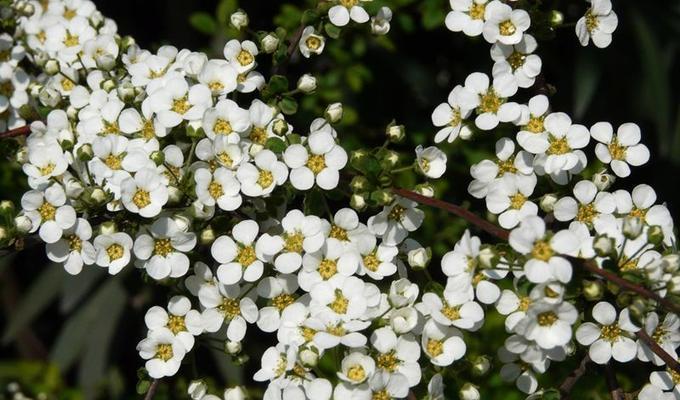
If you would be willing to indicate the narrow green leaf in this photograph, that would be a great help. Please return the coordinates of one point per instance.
(288, 105)
(587, 73)
(203, 22)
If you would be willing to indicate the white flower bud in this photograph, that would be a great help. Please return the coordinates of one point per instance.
(108, 228)
(603, 180)
(333, 112)
(469, 392)
(548, 202)
(380, 24)
(49, 97)
(6, 206)
(96, 19)
(670, 263)
(655, 234)
(65, 136)
(98, 195)
(239, 19)
(108, 85)
(207, 236)
(73, 188)
(465, 132)
(425, 189)
(487, 257)
(592, 290)
(279, 127)
(126, 91)
(201, 211)
(306, 83)
(194, 63)
(269, 43)
(235, 393)
(233, 347)
(23, 224)
(3, 233)
(51, 67)
(174, 195)
(632, 227)
(183, 221)
(309, 357)
(481, 365)
(603, 246)
(357, 202)
(197, 389)
(395, 133)
(674, 285)
(22, 155)
(419, 258)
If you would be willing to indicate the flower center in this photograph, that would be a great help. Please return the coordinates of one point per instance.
(610, 333)
(558, 146)
(591, 21)
(265, 178)
(388, 361)
(69, 13)
(586, 213)
(425, 164)
(338, 233)
(313, 43)
(316, 163)
(349, 3)
(617, 151)
(397, 213)
(164, 351)
(47, 211)
(506, 166)
(258, 135)
(381, 395)
(516, 59)
(162, 247)
(245, 58)
(547, 318)
(356, 373)
(215, 86)
(517, 200)
(524, 303)
(142, 198)
(371, 262)
(308, 333)
(229, 308)
(456, 117)
(148, 130)
(339, 305)
(659, 334)
(67, 84)
(675, 376)
(535, 125)
(293, 242)
(542, 251)
(336, 330)
(434, 347)
(176, 324)
(215, 190)
(224, 159)
(638, 213)
(110, 128)
(246, 256)
(626, 264)
(283, 300)
(113, 162)
(451, 312)
(507, 28)
(327, 268)
(115, 252)
(477, 11)
(74, 243)
(490, 102)
(71, 40)
(181, 105)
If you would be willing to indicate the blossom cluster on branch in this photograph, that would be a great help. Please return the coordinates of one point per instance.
(190, 170)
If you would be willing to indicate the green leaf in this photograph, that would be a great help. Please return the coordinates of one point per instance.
(74, 288)
(288, 105)
(40, 296)
(276, 145)
(203, 22)
(332, 31)
(587, 73)
(278, 84)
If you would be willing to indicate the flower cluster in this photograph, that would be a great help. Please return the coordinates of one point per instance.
(152, 160)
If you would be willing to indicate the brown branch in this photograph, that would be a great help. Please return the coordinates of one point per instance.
(615, 391)
(658, 350)
(21, 131)
(570, 381)
(411, 395)
(467, 215)
(152, 389)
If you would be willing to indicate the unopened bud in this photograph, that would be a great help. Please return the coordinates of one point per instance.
(603, 246)
(23, 224)
(547, 202)
(383, 197)
(395, 133)
(357, 202)
(105, 62)
(425, 189)
(603, 180)
(85, 152)
(7, 207)
(233, 347)
(239, 19)
(174, 195)
(235, 393)
(241, 359)
(487, 258)
(108, 85)
(22, 155)
(4, 234)
(65, 139)
(670, 263)
(49, 97)
(334, 112)
(359, 184)
(207, 236)
(592, 290)
(556, 18)
(389, 159)
(309, 357)
(108, 228)
(638, 310)
(357, 155)
(632, 227)
(655, 235)
(197, 389)
(51, 67)
(481, 365)
(469, 392)
(674, 285)
(126, 42)
(465, 132)
(158, 157)
(419, 258)
(269, 43)
(279, 127)
(306, 83)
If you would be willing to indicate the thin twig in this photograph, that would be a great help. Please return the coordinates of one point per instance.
(658, 350)
(152, 389)
(411, 395)
(615, 391)
(21, 131)
(570, 381)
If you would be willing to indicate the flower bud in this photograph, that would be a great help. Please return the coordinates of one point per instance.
(51, 67)
(107, 228)
(239, 19)
(4, 234)
(197, 389)
(548, 201)
(23, 224)
(201, 211)
(395, 133)
(333, 112)
(674, 285)
(603, 180)
(49, 97)
(357, 202)
(7, 207)
(73, 188)
(309, 357)
(465, 132)
(481, 365)
(232, 347)
(158, 157)
(126, 42)
(85, 152)
(269, 43)
(469, 392)
(241, 359)
(359, 184)
(632, 227)
(65, 139)
(357, 155)
(655, 235)
(603, 245)
(380, 24)
(174, 195)
(207, 236)
(279, 127)
(72, 113)
(487, 257)
(592, 290)
(638, 310)
(108, 85)
(235, 393)
(96, 19)
(306, 83)
(383, 197)
(556, 18)
(389, 159)
(419, 258)
(670, 263)
(425, 189)
(105, 62)
(22, 155)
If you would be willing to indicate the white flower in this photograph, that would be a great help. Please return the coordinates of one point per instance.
(275, 362)
(45, 160)
(517, 59)
(356, 368)
(280, 291)
(431, 161)
(113, 251)
(163, 249)
(380, 24)
(443, 345)
(145, 193)
(74, 248)
(330, 331)
(310, 42)
(542, 251)
(221, 188)
(621, 150)
(609, 337)
(219, 76)
(549, 325)
(179, 319)
(324, 264)
(378, 262)
(598, 24)
(260, 179)
(49, 211)
(589, 206)
(509, 197)
(532, 125)
(224, 151)
(665, 333)
(448, 311)
(340, 14)
(395, 221)
(486, 172)
(320, 164)
(238, 257)
(640, 204)
(397, 354)
(341, 296)
(467, 16)
(163, 351)
(116, 153)
(559, 150)
(663, 385)
(176, 101)
(241, 54)
(449, 116)
(490, 100)
(503, 24)
(222, 304)
(521, 372)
